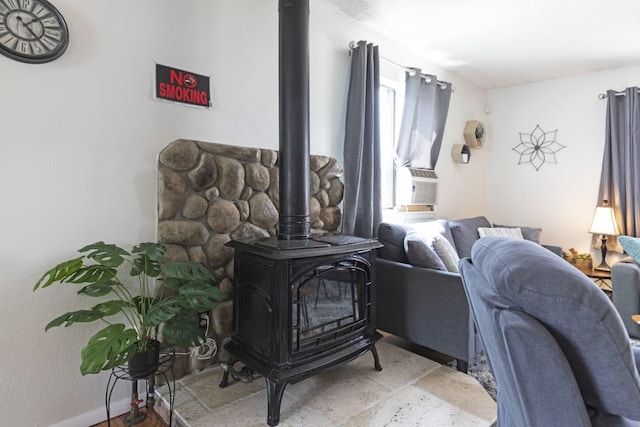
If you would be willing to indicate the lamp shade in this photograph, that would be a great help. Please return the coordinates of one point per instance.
(604, 222)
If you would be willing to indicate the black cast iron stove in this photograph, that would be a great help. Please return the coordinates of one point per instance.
(301, 305)
(298, 311)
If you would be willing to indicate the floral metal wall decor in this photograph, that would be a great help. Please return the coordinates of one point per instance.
(538, 147)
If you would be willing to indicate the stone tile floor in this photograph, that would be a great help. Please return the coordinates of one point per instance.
(411, 390)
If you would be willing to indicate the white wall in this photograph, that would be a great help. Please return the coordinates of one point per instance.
(79, 143)
(560, 198)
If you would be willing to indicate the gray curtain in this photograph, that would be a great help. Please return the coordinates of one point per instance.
(620, 179)
(426, 105)
(362, 208)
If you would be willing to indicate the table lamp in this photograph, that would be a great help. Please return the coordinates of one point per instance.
(604, 223)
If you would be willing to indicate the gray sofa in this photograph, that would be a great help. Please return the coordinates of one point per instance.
(423, 304)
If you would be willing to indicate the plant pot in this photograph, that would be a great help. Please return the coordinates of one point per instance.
(144, 364)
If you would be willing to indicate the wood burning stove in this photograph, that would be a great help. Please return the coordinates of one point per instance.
(298, 311)
(301, 305)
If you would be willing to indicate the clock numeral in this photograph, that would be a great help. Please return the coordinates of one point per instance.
(3, 29)
(50, 22)
(12, 4)
(41, 13)
(25, 4)
(36, 47)
(3, 9)
(53, 34)
(10, 42)
(48, 43)
(24, 47)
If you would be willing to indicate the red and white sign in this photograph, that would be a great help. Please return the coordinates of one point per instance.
(186, 87)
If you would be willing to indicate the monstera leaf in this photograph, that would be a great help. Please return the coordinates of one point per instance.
(161, 312)
(105, 309)
(92, 274)
(148, 259)
(178, 273)
(196, 297)
(99, 289)
(110, 347)
(59, 272)
(74, 316)
(105, 254)
(191, 299)
(183, 331)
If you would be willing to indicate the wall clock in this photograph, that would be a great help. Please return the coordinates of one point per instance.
(32, 31)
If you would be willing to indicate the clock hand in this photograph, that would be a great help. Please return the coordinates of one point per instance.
(29, 28)
(26, 25)
(35, 36)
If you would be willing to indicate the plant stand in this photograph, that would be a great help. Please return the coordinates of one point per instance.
(135, 416)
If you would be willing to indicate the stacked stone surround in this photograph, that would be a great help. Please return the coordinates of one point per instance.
(209, 194)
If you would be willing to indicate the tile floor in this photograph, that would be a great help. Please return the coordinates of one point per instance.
(410, 390)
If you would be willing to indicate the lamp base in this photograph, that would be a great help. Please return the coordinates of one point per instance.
(603, 248)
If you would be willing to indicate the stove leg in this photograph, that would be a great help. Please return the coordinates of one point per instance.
(376, 359)
(275, 390)
(227, 368)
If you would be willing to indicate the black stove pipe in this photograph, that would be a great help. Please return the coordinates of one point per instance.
(294, 219)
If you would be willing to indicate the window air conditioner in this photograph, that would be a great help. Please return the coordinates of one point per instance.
(416, 190)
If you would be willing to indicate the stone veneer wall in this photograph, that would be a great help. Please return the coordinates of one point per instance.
(209, 194)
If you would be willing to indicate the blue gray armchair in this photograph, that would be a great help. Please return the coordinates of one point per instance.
(625, 277)
(554, 341)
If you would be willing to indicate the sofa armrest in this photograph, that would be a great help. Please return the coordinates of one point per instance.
(625, 281)
(425, 306)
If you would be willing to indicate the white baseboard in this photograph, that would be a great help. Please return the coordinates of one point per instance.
(97, 415)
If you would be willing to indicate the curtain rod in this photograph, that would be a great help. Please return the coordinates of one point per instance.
(604, 95)
(411, 71)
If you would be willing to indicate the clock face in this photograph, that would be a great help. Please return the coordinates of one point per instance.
(32, 31)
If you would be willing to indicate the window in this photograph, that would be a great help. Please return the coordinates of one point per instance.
(391, 101)
(387, 137)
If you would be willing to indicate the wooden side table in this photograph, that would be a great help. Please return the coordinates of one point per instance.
(600, 277)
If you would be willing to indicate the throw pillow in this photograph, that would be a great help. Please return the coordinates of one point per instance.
(437, 226)
(465, 233)
(500, 232)
(631, 246)
(447, 253)
(392, 237)
(528, 233)
(419, 252)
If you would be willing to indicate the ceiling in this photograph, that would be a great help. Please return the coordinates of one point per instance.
(498, 43)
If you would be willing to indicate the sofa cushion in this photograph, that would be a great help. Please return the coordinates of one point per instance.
(392, 237)
(447, 253)
(420, 253)
(528, 233)
(465, 233)
(500, 232)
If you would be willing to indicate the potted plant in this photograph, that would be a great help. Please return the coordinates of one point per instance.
(106, 269)
(583, 260)
(479, 132)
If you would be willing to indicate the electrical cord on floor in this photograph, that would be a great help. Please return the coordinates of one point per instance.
(208, 348)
